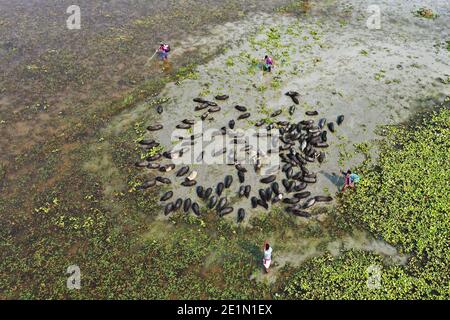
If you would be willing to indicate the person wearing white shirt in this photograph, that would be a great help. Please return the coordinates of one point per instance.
(267, 260)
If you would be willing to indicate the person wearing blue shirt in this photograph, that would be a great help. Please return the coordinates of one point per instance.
(349, 180)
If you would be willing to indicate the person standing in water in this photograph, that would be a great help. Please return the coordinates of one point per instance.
(267, 260)
(163, 51)
(349, 180)
(268, 63)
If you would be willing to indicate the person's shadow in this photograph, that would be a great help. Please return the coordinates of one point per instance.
(337, 179)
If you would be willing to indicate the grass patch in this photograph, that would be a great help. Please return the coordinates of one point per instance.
(426, 13)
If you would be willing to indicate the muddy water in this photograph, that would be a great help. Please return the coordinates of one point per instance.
(337, 64)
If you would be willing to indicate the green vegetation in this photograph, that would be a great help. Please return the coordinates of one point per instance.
(425, 13)
(405, 199)
(229, 62)
(261, 88)
(343, 277)
(152, 152)
(296, 6)
(276, 83)
(380, 75)
(2, 172)
(364, 52)
(363, 148)
(410, 186)
(187, 72)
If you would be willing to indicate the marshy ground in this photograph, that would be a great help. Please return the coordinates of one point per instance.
(74, 105)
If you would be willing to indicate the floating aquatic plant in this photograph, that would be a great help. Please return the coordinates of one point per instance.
(425, 13)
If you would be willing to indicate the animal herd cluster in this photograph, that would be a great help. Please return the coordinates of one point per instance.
(300, 144)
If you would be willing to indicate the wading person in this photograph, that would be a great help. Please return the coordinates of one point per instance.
(268, 64)
(163, 51)
(267, 260)
(349, 180)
